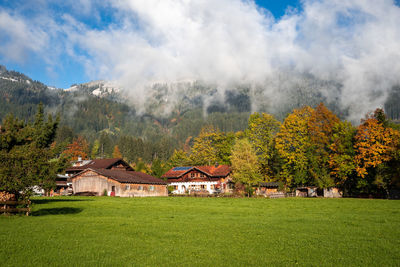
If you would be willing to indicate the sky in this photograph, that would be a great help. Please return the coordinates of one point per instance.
(68, 69)
(272, 44)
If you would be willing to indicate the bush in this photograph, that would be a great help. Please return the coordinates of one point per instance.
(170, 189)
(105, 193)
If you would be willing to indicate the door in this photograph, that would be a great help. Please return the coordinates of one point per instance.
(112, 191)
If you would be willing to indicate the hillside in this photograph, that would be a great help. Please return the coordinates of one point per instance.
(171, 115)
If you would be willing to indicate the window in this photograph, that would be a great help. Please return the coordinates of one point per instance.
(192, 175)
(151, 188)
(201, 174)
(203, 186)
(140, 187)
(128, 187)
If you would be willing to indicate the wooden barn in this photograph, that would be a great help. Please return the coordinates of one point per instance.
(115, 182)
(205, 179)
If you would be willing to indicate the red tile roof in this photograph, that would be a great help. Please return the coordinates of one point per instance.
(96, 164)
(131, 177)
(212, 171)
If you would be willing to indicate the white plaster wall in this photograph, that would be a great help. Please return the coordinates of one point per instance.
(182, 185)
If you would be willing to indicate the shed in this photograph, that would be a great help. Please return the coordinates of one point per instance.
(267, 188)
(306, 191)
(332, 192)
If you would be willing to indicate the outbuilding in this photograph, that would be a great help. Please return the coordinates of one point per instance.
(117, 183)
(306, 191)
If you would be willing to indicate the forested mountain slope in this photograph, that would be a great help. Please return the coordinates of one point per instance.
(171, 117)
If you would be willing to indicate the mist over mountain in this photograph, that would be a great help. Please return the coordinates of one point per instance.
(173, 113)
(345, 53)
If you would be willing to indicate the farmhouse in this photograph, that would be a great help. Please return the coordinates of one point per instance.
(118, 183)
(207, 179)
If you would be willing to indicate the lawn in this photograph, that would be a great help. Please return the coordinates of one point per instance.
(87, 231)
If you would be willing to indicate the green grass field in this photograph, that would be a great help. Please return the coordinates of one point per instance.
(93, 231)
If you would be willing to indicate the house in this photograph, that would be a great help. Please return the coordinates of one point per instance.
(206, 179)
(114, 182)
(109, 164)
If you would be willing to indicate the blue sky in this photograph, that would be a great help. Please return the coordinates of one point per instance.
(68, 70)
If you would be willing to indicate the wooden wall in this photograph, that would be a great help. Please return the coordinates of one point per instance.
(92, 182)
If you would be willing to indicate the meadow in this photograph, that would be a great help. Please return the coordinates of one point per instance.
(97, 231)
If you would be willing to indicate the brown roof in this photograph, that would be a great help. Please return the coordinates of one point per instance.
(212, 171)
(61, 183)
(130, 177)
(96, 164)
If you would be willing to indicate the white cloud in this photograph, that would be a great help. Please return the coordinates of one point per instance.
(355, 43)
(18, 38)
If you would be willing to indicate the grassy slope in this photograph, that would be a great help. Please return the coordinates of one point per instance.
(207, 232)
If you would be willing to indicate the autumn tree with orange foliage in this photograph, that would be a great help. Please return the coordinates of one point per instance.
(374, 143)
(320, 130)
(116, 152)
(78, 148)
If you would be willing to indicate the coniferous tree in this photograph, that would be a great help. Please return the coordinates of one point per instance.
(26, 158)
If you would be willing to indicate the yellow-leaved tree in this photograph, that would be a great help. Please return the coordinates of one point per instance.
(293, 145)
(245, 168)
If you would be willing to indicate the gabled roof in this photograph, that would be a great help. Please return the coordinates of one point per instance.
(212, 171)
(130, 177)
(269, 184)
(97, 164)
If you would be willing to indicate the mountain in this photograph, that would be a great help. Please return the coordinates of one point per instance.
(20, 94)
(170, 114)
(99, 88)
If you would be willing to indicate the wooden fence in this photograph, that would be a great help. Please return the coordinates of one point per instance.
(7, 207)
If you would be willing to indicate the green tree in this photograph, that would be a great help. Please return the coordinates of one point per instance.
(341, 156)
(95, 149)
(212, 146)
(158, 168)
(26, 159)
(245, 167)
(261, 131)
(179, 158)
